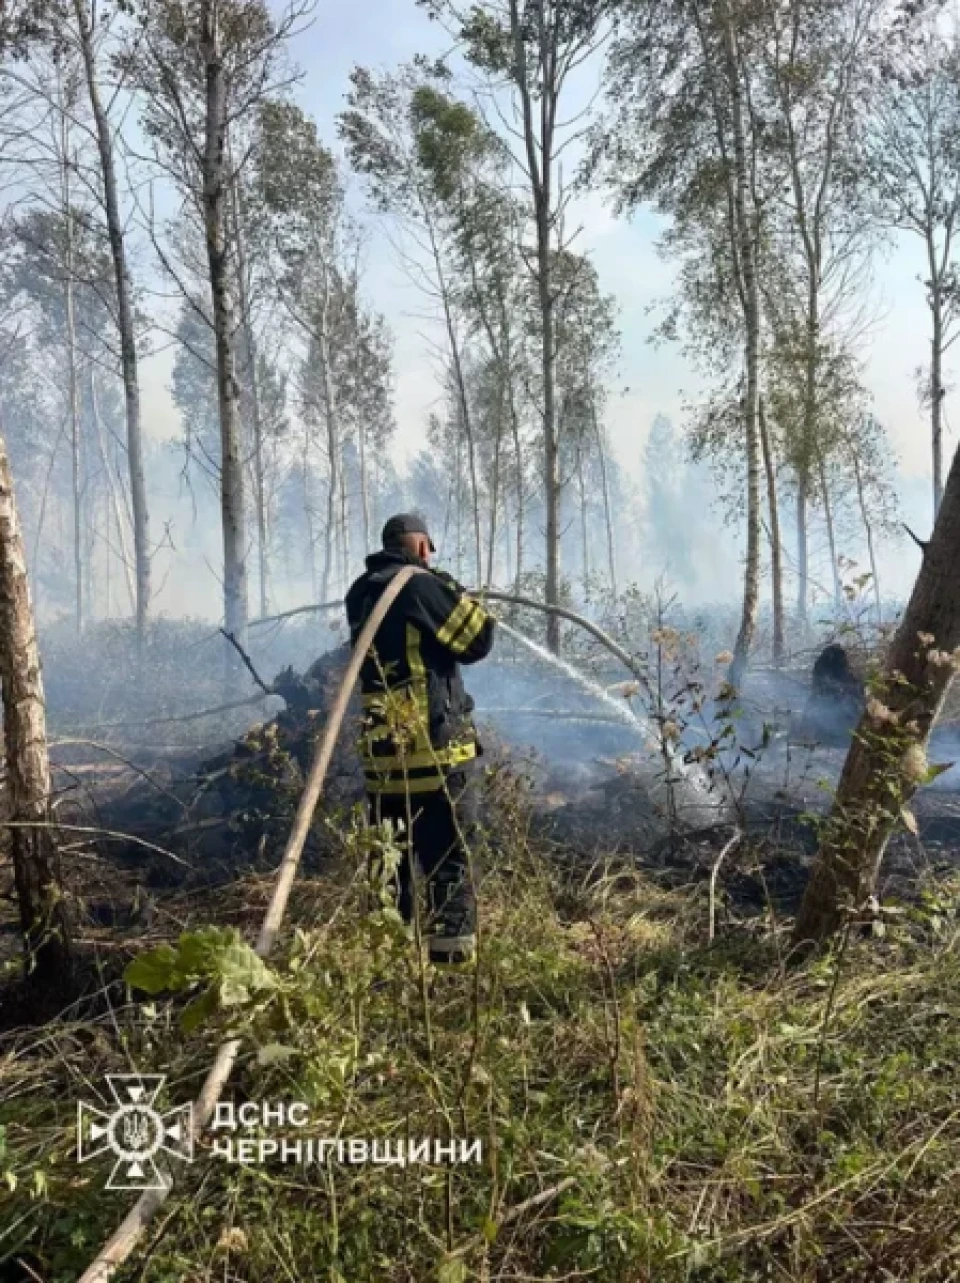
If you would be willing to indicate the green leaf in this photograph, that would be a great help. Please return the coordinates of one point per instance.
(154, 971)
(242, 973)
(198, 1011)
(198, 952)
(909, 820)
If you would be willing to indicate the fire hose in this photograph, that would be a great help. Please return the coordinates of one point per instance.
(125, 1238)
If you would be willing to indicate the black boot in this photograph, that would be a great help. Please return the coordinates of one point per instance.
(452, 927)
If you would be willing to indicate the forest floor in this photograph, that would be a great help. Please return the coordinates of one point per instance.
(650, 1103)
(659, 1090)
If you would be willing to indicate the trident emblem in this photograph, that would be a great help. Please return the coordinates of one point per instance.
(134, 1132)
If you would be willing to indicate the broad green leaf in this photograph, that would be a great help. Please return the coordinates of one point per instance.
(242, 972)
(195, 1013)
(154, 971)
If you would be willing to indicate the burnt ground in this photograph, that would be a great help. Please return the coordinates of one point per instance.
(156, 834)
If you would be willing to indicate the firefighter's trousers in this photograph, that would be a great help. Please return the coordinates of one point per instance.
(436, 830)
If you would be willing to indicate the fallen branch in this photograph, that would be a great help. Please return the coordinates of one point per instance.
(111, 752)
(122, 1242)
(538, 1200)
(187, 717)
(299, 610)
(95, 832)
(248, 662)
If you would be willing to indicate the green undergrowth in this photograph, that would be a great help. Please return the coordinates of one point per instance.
(649, 1107)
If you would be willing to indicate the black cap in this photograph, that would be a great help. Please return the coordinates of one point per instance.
(404, 523)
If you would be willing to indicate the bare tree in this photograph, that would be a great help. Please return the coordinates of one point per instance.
(43, 912)
(85, 12)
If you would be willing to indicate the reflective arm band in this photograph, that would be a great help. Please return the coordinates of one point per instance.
(463, 626)
(455, 621)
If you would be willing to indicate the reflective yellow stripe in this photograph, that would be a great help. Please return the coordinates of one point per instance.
(418, 672)
(450, 756)
(455, 621)
(470, 632)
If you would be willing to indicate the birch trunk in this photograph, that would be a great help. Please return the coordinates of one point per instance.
(125, 322)
(936, 393)
(838, 594)
(43, 912)
(803, 562)
(776, 552)
(331, 416)
(495, 480)
(214, 209)
(75, 458)
(114, 500)
(539, 139)
(607, 510)
(256, 412)
(868, 529)
(884, 764)
(747, 251)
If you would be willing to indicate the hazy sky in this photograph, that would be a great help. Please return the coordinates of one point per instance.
(383, 33)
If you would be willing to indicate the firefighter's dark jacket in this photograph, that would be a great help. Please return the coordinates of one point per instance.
(416, 725)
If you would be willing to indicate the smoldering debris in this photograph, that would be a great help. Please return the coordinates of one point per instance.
(226, 799)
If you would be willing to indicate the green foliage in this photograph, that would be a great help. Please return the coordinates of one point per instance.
(217, 958)
(657, 1096)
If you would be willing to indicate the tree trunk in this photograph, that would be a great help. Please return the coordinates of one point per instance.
(464, 404)
(364, 484)
(776, 554)
(747, 250)
(539, 145)
(125, 324)
(308, 521)
(114, 500)
(43, 912)
(838, 594)
(75, 459)
(936, 395)
(495, 478)
(803, 554)
(868, 528)
(332, 420)
(551, 448)
(607, 511)
(521, 498)
(584, 526)
(231, 451)
(344, 532)
(886, 758)
(253, 386)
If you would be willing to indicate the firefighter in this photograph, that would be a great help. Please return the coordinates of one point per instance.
(419, 745)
